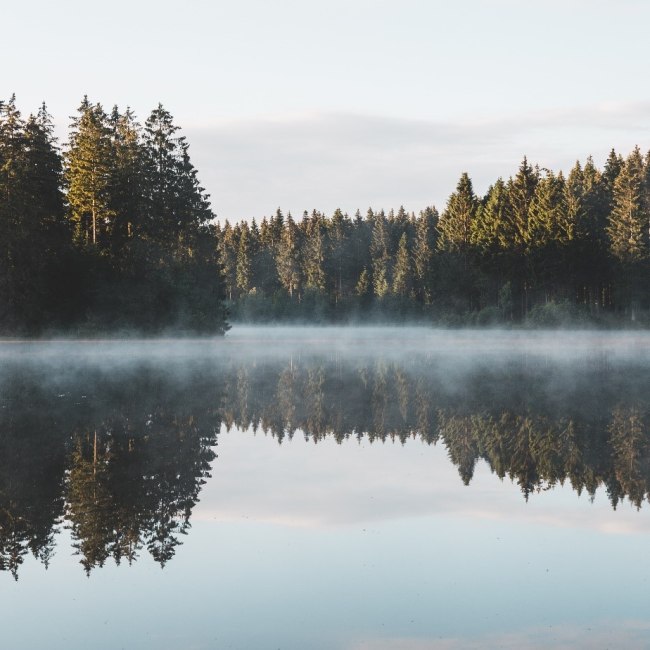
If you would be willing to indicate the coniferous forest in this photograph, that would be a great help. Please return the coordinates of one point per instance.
(540, 247)
(112, 232)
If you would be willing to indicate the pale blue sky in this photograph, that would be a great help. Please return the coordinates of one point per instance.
(347, 103)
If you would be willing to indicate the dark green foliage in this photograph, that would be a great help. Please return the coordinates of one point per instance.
(114, 235)
(540, 248)
(117, 234)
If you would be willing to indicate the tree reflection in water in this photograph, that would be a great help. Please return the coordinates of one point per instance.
(119, 456)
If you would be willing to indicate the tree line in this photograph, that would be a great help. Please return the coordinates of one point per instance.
(114, 232)
(539, 246)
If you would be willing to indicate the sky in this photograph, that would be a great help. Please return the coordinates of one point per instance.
(305, 104)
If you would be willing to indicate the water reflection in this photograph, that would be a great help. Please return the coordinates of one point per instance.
(118, 454)
(118, 458)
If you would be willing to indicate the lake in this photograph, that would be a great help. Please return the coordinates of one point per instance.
(327, 488)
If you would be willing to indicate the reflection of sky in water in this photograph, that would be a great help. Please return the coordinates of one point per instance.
(356, 546)
(352, 546)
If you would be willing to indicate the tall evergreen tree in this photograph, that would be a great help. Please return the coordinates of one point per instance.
(380, 254)
(423, 251)
(314, 257)
(402, 274)
(455, 224)
(126, 176)
(630, 217)
(288, 259)
(175, 203)
(243, 272)
(228, 250)
(88, 174)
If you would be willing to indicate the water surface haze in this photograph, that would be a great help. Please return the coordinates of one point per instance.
(358, 488)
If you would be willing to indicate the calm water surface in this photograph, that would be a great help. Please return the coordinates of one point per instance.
(368, 489)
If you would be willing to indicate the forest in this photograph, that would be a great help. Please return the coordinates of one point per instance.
(539, 248)
(113, 232)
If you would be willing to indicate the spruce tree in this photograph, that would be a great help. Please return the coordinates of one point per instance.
(489, 233)
(551, 229)
(127, 177)
(338, 254)
(520, 192)
(455, 224)
(629, 218)
(314, 257)
(423, 252)
(402, 274)
(380, 255)
(228, 251)
(175, 203)
(88, 171)
(288, 258)
(243, 272)
(521, 189)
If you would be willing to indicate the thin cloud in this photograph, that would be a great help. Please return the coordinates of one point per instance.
(603, 634)
(330, 160)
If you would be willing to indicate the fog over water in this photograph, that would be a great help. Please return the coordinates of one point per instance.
(348, 340)
(372, 488)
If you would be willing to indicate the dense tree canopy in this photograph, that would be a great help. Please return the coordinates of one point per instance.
(539, 246)
(114, 234)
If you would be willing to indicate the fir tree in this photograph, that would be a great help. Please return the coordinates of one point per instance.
(126, 177)
(423, 251)
(455, 224)
(629, 219)
(402, 274)
(288, 258)
(228, 250)
(243, 272)
(88, 174)
(379, 251)
(314, 257)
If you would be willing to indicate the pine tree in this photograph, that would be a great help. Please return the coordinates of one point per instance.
(33, 236)
(12, 198)
(314, 257)
(521, 190)
(380, 255)
(455, 224)
(46, 252)
(489, 230)
(363, 286)
(175, 203)
(548, 217)
(288, 258)
(228, 250)
(126, 176)
(88, 160)
(550, 231)
(423, 251)
(628, 221)
(402, 274)
(243, 272)
(338, 257)
(613, 167)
